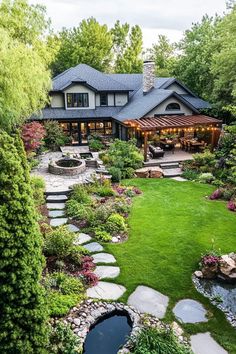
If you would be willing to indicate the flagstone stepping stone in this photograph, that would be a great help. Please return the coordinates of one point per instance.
(203, 343)
(82, 238)
(103, 258)
(57, 198)
(148, 300)
(58, 222)
(190, 311)
(73, 228)
(179, 179)
(93, 247)
(106, 291)
(56, 213)
(57, 206)
(107, 272)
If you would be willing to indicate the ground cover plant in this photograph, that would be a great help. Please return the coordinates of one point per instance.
(101, 208)
(171, 225)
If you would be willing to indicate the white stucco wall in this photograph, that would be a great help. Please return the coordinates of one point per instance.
(57, 100)
(82, 89)
(121, 99)
(178, 89)
(161, 109)
(111, 99)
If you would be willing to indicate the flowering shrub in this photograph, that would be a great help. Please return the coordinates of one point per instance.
(231, 205)
(90, 278)
(32, 135)
(217, 194)
(210, 260)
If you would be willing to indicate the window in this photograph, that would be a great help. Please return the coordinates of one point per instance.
(173, 107)
(103, 99)
(101, 128)
(77, 100)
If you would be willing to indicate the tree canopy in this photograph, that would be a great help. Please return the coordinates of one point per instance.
(24, 60)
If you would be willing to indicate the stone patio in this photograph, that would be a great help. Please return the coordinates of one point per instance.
(56, 183)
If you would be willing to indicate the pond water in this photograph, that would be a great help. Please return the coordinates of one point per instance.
(222, 291)
(68, 163)
(86, 155)
(109, 334)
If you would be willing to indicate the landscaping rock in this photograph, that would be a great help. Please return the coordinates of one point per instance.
(198, 274)
(227, 265)
(107, 272)
(147, 300)
(93, 247)
(203, 343)
(103, 258)
(73, 228)
(82, 238)
(106, 291)
(155, 172)
(142, 172)
(58, 222)
(56, 213)
(57, 206)
(190, 311)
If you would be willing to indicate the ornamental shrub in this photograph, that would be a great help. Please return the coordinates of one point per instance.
(102, 235)
(115, 173)
(206, 177)
(55, 137)
(38, 188)
(22, 307)
(32, 135)
(64, 283)
(63, 340)
(115, 224)
(80, 194)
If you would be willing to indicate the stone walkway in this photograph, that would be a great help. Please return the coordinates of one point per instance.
(143, 299)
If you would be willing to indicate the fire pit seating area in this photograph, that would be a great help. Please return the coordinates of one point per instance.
(67, 166)
(155, 152)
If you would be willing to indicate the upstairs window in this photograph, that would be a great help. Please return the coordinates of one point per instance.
(77, 100)
(103, 99)
(173, 106)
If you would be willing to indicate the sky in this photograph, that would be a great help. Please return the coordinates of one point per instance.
(169, 17)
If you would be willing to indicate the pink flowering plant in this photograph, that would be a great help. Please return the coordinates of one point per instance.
(210, 260)
(217, 194)
(231, 205)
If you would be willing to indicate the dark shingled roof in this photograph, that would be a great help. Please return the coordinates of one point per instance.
(93, 77)
(61, 113)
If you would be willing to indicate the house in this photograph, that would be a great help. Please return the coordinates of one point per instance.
(86, 101)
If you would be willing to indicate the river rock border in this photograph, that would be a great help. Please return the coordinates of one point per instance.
(229, 316)
(81, 318)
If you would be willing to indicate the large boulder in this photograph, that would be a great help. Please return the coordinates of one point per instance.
(142, 172)
(155, 172)
(227, 265)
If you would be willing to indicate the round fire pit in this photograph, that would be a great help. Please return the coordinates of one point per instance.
(67, 166)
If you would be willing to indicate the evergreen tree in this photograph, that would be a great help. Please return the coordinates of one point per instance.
(22, 308)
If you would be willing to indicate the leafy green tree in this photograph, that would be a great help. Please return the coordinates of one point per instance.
(197, 49)
(164, 56)
(127, 47)
(24, 60)
(89, 43)
(23, 312)
(224, 61)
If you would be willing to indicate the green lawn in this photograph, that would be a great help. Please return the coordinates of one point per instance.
(171, 225)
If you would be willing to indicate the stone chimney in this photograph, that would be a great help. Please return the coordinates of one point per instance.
(148, 75)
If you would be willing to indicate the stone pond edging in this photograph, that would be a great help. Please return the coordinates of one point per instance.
(56, 169)
(84, 316)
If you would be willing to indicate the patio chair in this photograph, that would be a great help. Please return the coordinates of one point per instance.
(155, 152)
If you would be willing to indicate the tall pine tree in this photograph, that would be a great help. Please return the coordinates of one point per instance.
(23, 313)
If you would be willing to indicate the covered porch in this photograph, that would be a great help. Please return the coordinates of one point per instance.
(185, 134)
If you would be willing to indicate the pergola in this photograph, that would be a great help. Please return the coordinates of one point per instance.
(174, 124)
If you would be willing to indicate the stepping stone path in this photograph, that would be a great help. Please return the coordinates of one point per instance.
(57, 198)
(179, 179)
(56, 213)
(203, 343)
(56, 206)
(104, 272)
(82, 238)
(148, 300)
(106, 291)
(93, 247)
(103, 258)
(58, 222)
(73, 228)
(190, 311)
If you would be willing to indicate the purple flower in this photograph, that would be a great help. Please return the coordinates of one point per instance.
(217, 194)
(231, 205)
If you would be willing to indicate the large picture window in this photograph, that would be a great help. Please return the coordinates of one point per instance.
(77, 100)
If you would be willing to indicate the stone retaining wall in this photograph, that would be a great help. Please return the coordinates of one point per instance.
(67, 171)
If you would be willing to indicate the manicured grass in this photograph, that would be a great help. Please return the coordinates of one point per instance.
(171, 224)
